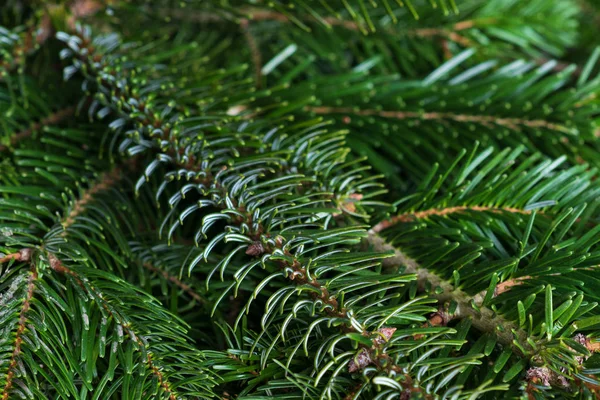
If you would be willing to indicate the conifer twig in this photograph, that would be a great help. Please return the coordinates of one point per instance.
(12, 256)
(412, 216)
(486, 120)
(18, 341)
(107, 180)
(484, 319)
(178, 282)
(52, 119)
(19, 52)
(254, 51)
(57, 266)
(259, 15)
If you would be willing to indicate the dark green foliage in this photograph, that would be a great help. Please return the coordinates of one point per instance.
(351, 199)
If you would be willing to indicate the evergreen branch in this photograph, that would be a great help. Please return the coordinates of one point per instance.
(472, 198)
(261, 15)
(40, 187)
(168, 373)
(497, 29)
(57, 266)
(52, 119)
(513, 99)
(450, 33)
(280, 203)
(174, 366)
(484, 23)
(358, 12)
(475, 310)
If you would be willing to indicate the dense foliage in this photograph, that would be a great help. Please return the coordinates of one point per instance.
(345, 199)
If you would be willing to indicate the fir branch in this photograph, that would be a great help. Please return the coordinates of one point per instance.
(216, 173)
(261, 15)
(322, 13)
(169, 375)
(465, 196)
(57, 266)
(264, 244)
(450, 33)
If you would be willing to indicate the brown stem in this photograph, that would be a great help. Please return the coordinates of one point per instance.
(441, 32)
(260, 15)
(52, 119)
(8, 257)
(411, 217)
(484, 319)
(22, 255)
(107, 181)
(505, 286)
(486, 120)
(254, 50)
(172, 278)
(12, 366)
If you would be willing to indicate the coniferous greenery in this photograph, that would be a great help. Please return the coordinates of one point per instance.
(347, 199)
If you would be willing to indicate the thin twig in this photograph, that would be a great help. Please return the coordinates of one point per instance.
(22, 255)
(172, 278)
(52, 119)
(12, 366)
(486, 120)
(107, 181)
(254, 50)
(260, 15)
(8, 257)
(412, 216)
